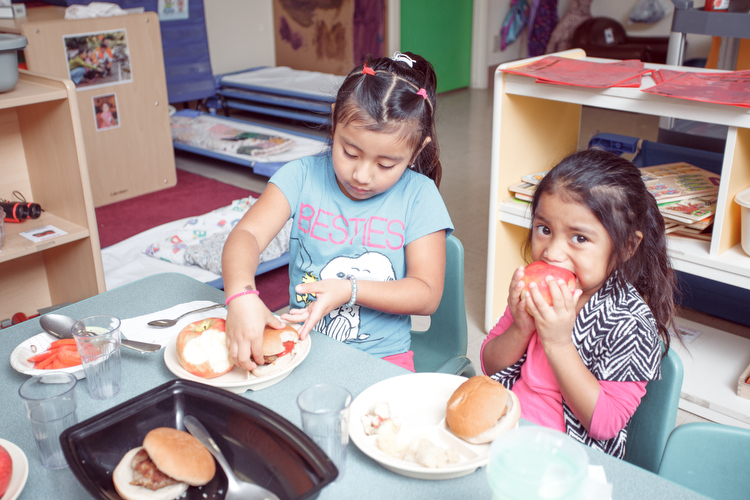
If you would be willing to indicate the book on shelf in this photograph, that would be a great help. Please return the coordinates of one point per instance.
(698, 212)
(516, 206)
(523, 190)
(679, 181)
(534, 178)
(682, 230)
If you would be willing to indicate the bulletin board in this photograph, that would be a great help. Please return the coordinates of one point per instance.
(332, 37)
(128, 141)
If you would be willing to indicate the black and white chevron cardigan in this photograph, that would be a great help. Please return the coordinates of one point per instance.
(616, 336)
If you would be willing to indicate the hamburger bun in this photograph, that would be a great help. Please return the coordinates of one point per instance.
(273, 345)
(481, 409)
(175, 453)
(123, 475)
(180, 456)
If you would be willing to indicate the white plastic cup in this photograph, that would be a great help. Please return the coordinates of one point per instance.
(325, 418)
(743, 200)
(534, 463)
(50, 401)
(98, 342)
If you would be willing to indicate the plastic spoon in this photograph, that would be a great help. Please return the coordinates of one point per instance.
(236, 489)
(60, 326)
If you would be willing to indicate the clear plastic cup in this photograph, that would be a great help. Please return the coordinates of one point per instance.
(50, 401)
(98, 342)
(325, 418)
(534, 463)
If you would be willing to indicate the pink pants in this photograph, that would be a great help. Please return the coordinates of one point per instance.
(404, 360)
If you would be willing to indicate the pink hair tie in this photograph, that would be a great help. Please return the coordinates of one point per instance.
(368, 71)
(423, 93)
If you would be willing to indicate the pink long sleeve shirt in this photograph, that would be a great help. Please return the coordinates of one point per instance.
(541, 400)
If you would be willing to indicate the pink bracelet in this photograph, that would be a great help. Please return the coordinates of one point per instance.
(230, 299)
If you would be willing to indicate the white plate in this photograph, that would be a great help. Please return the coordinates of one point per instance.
(20, 470)
(33, 346)
(237, 380)
(418, 400)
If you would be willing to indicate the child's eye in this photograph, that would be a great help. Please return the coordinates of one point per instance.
(580, 239)
(386, 166)
(348, 154)
(544, 230)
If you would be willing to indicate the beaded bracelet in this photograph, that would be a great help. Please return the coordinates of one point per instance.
(353, 299)
(230, 299)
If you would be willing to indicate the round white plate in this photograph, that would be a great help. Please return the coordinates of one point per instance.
(237, 380)
(33, 346)
(418, 400)
(20, 470)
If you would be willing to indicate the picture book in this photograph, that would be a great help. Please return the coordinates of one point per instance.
(679, 181)
(699, 234)
(534, 178)
(690, 210)
(523, 190)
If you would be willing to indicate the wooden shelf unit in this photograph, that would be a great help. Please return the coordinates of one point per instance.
(536, 125)
(43, 157)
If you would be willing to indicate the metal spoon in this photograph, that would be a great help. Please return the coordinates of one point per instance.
(60, 326)
(236, 489)
(163, 323)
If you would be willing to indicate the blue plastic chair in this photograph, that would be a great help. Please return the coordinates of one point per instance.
(442, 347)
(711, 459)
(655, 417)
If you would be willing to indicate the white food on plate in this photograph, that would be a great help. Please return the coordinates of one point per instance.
(379, 414)
(381, 422)
(210, 346)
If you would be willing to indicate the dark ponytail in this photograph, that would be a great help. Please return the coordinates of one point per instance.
(385, 94)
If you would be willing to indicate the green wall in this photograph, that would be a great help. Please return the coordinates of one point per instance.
(440, 31)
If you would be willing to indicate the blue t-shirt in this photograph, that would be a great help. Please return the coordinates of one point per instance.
(333, 236)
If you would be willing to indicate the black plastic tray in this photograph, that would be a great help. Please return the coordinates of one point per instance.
(259, 444)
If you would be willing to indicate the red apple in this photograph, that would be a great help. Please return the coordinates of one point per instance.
(538, 271)
(202, 348)
(6, 470)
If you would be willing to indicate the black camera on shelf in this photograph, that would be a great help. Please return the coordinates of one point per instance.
(17, 211)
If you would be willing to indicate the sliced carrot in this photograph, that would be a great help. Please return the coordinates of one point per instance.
(42, 365)
(62, 342)
(68, 356)
(56, 365)
(42, 356)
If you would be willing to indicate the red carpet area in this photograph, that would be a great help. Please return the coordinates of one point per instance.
(193, 195)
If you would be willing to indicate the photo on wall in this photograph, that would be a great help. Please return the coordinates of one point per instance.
(98, 59)
(106, 112)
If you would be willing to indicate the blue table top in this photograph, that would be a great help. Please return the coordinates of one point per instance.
(328, 362)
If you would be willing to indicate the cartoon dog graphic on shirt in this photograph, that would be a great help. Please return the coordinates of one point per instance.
(343, 323)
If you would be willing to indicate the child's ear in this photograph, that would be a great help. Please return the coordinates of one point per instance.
(426, 141)
(634, 242)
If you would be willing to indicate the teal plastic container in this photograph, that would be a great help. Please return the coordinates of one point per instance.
(534, 463)
(9, 46)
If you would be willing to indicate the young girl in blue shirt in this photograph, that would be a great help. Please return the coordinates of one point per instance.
(367, 247)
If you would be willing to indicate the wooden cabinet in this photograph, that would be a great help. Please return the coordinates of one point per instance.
(535, 125)
(43, 157)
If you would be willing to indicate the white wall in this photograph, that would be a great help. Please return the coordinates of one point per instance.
(240, 34)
